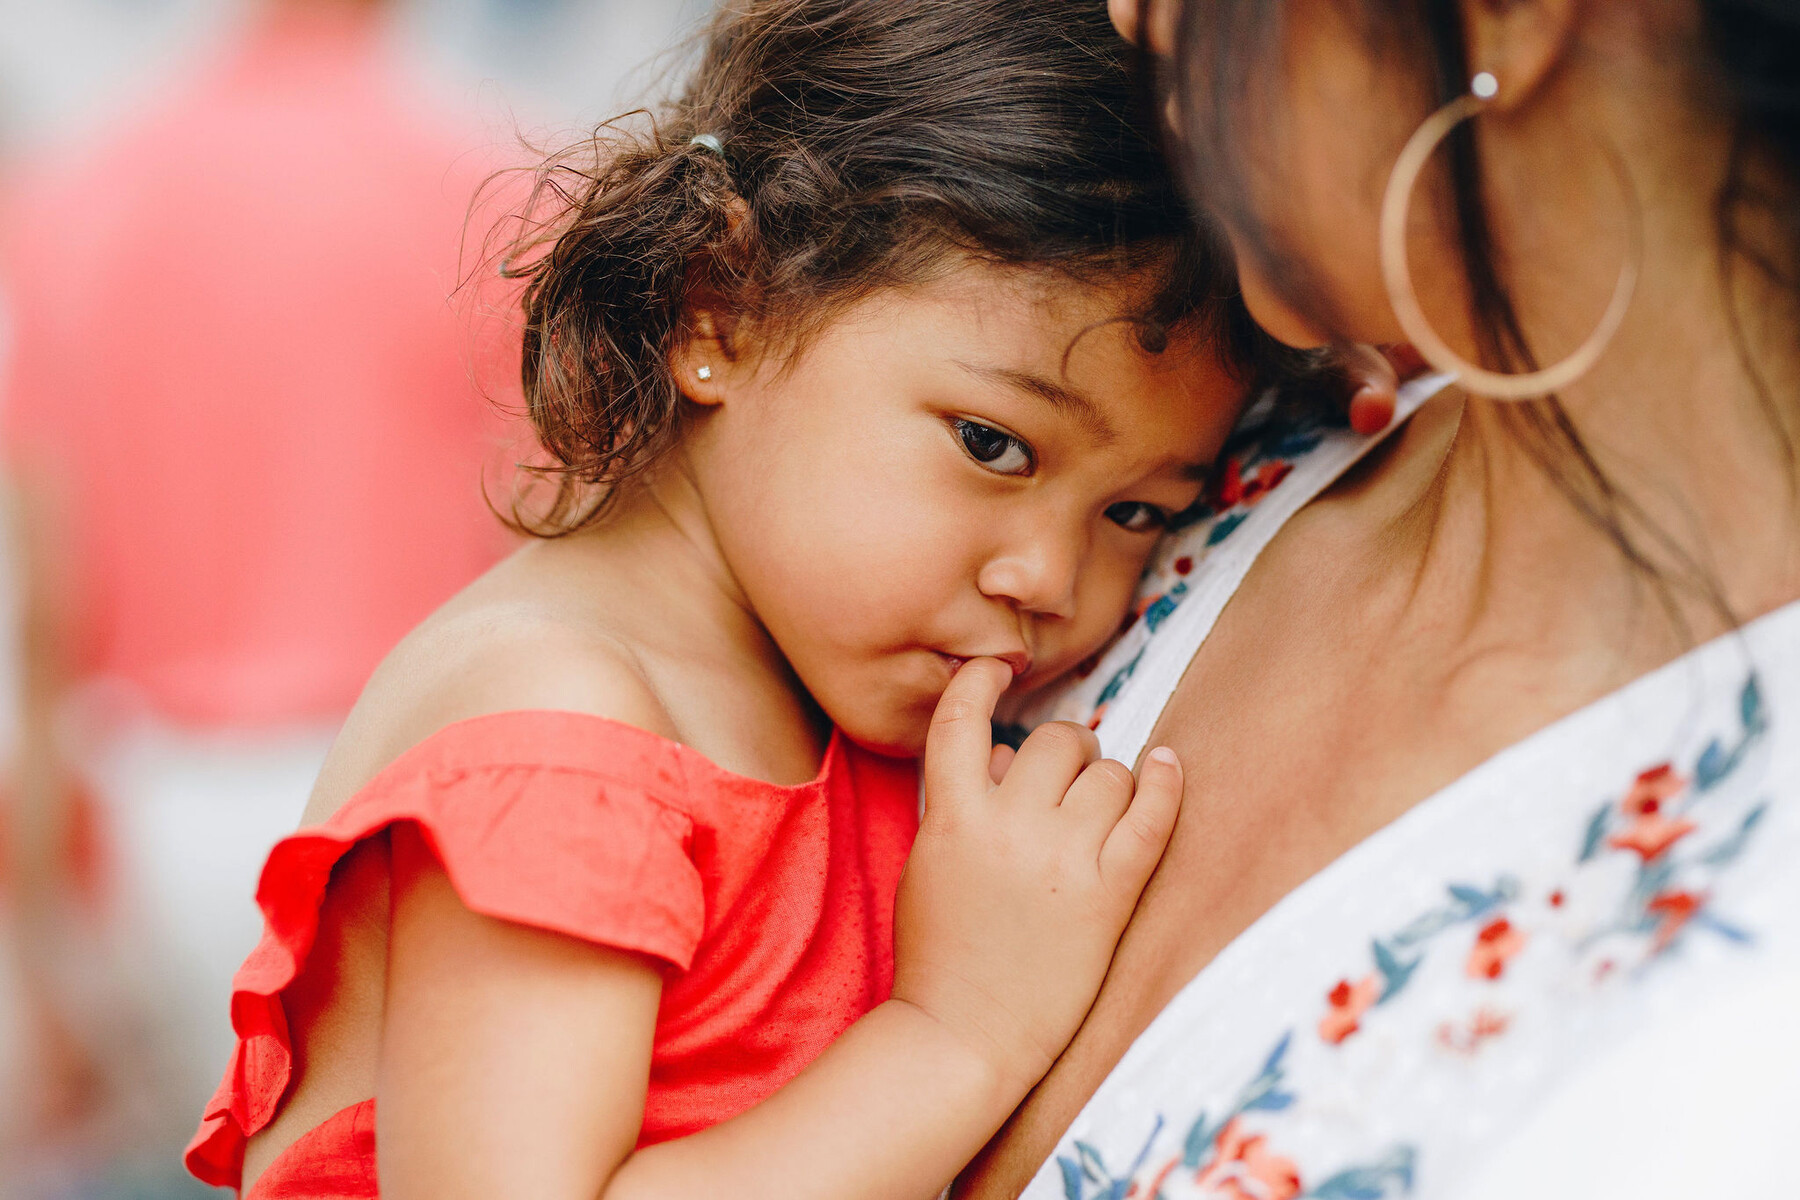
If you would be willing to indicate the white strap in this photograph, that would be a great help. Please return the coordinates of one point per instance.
(1133, 713)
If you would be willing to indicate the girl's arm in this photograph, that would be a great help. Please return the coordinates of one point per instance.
(515, 1062)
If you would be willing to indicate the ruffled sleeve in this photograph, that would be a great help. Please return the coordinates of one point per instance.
(559, 821)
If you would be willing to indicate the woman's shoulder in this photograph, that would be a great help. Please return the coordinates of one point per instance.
(486, 668)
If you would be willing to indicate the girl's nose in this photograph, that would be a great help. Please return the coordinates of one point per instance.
(1039, 578)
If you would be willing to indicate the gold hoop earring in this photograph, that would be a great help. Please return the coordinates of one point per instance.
(1497, 385)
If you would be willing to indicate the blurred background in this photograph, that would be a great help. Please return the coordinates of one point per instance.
(254, 378)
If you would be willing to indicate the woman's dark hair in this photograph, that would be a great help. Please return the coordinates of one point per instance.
(1750, 51)
(860, 144)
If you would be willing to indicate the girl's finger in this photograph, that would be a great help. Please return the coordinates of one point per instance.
(1100, 797)
(960, 741)
(999, 761)
(1136, 843)
(1049, 762)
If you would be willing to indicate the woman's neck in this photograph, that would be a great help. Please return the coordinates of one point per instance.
(1687, 431)
(1692, 524)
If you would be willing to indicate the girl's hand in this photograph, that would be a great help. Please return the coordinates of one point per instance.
(1017, 891)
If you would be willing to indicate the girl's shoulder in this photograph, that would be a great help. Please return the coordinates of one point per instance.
(523, 752)
(524, 664)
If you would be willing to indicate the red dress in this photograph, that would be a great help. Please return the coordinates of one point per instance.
(771, 906)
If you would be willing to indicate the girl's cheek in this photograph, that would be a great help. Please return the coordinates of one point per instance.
(1103, 602)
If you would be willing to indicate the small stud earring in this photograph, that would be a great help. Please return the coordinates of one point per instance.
(1484, 85)
(703, 372)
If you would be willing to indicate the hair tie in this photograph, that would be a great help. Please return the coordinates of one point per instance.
(707, 141)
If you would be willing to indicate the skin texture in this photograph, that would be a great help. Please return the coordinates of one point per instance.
(824, 530)
(1444, 601)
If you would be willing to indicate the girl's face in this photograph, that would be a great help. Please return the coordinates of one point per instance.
(975, 466)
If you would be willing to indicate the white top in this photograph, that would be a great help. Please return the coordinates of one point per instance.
(1573, 972)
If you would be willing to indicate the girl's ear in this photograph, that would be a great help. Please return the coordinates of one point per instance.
(702, 358)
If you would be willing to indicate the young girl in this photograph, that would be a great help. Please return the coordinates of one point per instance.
(872, 373)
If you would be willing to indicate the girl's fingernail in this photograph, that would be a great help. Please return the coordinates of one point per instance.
(1165, 756)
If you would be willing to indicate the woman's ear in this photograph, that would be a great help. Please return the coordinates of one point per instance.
(1518, 42)
(1149, 23)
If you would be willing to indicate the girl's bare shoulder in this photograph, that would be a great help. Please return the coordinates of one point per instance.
(504, 644)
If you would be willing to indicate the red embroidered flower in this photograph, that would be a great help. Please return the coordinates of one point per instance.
(1673, 910)
(1497, 942)
(1349, 1001)
(1651, 790)
(1263, 482)
(1244, 1169)
(1467, 1040)
(1235, 487)
(1651, 833)
(1230, 488)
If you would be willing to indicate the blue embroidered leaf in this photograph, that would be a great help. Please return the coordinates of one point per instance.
(1399, 1165)
(1723, 928)
(1734, 845)
(1596, 831)
(1223, 527)
(1750, 706)
(1257, 1094)
(1073, 1188)
(1159, 610)
(1272, 1065)
(1713, 766)
(1473, 899)
(1295, 445)
(1395, 974)
(1273, 1100)
(1118, 681)
(1199, 1140)
(1092, 1165)
(1349, 1185)
(1121, 1184)
(1423, 927)
(1652, 877)
(1371, 1182)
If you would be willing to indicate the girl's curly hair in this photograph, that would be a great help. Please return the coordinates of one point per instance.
(862, 143)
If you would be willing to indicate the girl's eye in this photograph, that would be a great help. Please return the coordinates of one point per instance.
(1135, 516)
(999, 452)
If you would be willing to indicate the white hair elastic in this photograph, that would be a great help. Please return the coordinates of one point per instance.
(707, 141)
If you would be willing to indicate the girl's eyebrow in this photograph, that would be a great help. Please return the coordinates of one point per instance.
(1059, 396)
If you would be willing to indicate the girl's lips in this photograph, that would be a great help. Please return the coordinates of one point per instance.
(1018, 660)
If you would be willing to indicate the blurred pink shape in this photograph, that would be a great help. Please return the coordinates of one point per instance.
(237, 368)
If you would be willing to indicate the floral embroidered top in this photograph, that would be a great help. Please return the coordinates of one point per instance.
(1390, 1026)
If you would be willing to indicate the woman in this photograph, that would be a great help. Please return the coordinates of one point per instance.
(1494, 756)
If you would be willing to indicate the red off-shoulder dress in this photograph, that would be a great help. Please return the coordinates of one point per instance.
(771, 906)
